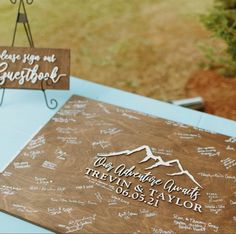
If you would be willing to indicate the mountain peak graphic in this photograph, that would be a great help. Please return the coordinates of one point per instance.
(158, 159)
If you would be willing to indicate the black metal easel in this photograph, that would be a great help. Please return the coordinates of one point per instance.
(23, 19)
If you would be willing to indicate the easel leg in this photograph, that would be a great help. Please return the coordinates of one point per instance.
(3, 93)
(52, 103)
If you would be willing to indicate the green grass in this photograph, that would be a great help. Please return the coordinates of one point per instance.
(143, 46)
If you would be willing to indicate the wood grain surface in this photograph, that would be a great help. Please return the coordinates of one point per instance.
(25, 68)
(99, 168)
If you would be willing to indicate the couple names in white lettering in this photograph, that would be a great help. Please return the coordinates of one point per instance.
(113, 174)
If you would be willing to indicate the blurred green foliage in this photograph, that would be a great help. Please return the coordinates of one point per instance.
(222, 22)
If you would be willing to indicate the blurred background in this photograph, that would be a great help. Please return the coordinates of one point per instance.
(156, 48)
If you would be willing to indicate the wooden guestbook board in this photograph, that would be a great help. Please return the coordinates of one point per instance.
(101, 168)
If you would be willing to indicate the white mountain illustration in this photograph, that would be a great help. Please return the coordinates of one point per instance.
(158, 159)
